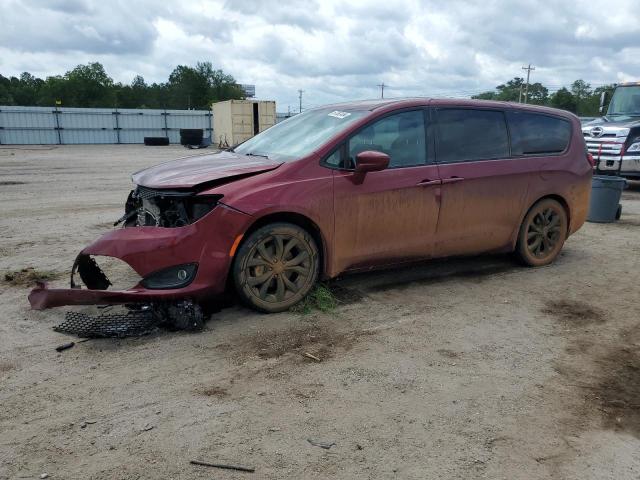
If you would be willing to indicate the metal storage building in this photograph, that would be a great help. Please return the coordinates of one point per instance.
(51, 125)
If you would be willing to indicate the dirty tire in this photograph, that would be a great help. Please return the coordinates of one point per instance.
(275, 267)
(542, 233)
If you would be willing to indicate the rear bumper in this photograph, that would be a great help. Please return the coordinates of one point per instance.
(147, 250)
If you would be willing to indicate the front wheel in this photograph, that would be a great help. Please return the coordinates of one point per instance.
(276, 266)
(542, 233)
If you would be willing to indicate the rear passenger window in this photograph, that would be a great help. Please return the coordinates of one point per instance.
(532, 133)
(465, 135)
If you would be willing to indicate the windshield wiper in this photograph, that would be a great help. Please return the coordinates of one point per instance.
(251, 154)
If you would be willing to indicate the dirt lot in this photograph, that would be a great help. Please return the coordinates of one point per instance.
(463, 369)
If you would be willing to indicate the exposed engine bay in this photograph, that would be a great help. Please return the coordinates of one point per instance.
(146, 207)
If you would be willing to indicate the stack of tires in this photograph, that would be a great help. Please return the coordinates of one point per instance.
(156, 141)
(191, 136)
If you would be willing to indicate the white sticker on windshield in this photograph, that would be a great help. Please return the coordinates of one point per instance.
(339, 114)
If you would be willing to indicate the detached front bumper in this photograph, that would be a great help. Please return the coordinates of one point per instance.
(43, 297)
(148, 250)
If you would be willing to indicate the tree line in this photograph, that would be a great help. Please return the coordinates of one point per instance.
(90, 86)
(579, 98)
(198, 87)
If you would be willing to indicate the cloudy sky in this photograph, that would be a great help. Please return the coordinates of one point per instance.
(333, 50)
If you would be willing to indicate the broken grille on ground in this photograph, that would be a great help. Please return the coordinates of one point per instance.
(135, 322)
(132, 323)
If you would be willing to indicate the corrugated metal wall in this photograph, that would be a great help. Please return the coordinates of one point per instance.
(50, 125)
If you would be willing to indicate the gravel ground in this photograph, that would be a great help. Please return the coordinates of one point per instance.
(467, 368)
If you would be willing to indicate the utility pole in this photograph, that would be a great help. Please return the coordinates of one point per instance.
(520, 95)
(300, 97)
(526, 90)
(381, 85)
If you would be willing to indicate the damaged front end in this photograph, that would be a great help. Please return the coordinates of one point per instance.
(165, 208)
(175, 242)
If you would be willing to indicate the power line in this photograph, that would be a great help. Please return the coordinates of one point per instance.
(526, 90)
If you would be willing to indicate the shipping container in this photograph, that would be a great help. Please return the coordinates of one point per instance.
(235, 121)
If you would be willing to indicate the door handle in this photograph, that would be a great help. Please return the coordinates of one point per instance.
(452, 180)
(427, 182)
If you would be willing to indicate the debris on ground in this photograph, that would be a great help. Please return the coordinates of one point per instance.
(65, 346)
(312, 357)
(317, 443)
(224, 466)
(183, 315)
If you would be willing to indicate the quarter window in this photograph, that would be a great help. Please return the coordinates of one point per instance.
(333, 160)
(535, 134)
(466, 135)
(401, 136)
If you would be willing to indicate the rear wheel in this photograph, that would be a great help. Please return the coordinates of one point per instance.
(276, 266)
(542, 233)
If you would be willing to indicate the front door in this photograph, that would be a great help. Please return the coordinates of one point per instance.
(483, 188)
(391, 215)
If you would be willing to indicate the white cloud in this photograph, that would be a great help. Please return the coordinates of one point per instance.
(332, 50)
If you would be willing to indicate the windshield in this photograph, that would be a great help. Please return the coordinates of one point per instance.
(625, 101)
(301, 134)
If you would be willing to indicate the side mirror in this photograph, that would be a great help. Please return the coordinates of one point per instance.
(603, 100)
(371, 161)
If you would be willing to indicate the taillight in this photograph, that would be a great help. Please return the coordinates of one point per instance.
(590, 159)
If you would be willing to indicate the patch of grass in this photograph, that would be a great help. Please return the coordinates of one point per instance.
(321, 298)
(214, 392)
(29, 276)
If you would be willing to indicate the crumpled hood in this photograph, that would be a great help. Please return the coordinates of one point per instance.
(614, 121)
(191, 171)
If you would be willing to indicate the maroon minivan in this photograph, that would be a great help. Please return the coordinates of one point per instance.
(342, 188)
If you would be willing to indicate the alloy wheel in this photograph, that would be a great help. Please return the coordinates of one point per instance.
(544, 233)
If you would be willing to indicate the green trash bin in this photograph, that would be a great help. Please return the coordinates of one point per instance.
(604, 206)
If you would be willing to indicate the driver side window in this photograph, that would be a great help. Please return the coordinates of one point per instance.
(401, 136)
